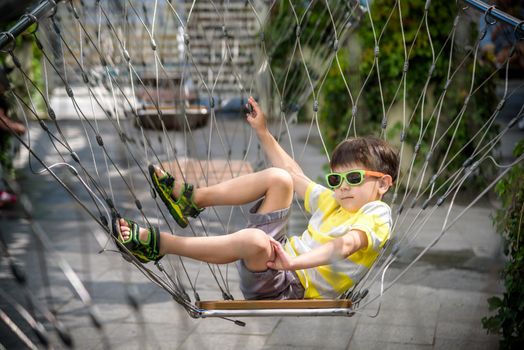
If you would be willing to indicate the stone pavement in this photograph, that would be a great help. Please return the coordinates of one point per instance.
(438, 304)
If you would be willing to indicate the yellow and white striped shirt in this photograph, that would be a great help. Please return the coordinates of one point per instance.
(329, 221)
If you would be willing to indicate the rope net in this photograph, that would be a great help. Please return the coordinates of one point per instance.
(163, 82)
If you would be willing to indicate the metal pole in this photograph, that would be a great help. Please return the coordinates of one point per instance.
(276, 312)
(498, 14)
(26, 21)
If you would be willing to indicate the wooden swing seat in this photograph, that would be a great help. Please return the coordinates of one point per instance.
(275, 304)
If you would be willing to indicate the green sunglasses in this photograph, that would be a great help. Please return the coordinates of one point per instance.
(353, 177)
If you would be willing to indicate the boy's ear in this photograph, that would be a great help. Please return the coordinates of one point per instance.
(385, 183)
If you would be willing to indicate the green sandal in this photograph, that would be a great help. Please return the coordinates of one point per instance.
(179, 208)
(144, 251)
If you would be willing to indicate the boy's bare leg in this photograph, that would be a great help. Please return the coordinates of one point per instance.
(274, 184)
(252, 245)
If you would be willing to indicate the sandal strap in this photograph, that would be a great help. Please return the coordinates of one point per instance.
(190, 208)
(150, 249)
(168, 180)
(153, 247)
(180, 207)
(144, 251)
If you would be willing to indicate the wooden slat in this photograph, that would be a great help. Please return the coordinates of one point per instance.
(274, 304)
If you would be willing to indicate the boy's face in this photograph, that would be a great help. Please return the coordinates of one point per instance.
(351, 197)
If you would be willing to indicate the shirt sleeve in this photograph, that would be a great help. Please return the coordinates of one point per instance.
(375, 221)
(318, 196)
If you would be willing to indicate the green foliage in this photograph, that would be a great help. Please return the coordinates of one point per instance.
(280, 39)
(335, 113)
(30, 57)
(509, 222)
(336, 109)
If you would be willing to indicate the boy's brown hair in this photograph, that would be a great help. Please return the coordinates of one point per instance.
(370, 152)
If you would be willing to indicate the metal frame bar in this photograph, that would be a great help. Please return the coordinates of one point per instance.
(26, 21)
(502, 16)
(275, 313)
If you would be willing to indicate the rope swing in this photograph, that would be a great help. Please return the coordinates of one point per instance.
(164, 82)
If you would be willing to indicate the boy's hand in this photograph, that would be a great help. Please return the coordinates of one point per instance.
(256, 117)
(282, 261)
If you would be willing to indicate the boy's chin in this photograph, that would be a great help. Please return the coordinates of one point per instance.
(349, 203)
(349, 207)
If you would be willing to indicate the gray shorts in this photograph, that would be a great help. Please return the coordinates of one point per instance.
(269, 284)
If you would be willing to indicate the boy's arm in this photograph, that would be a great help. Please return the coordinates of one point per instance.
(276, 154)
(337, 249)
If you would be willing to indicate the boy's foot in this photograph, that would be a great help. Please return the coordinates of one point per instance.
(177, 196)
(143, 243)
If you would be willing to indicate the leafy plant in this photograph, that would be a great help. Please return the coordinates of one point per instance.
(509, 222)
(294, 66)
(28, 56)
(336, 110)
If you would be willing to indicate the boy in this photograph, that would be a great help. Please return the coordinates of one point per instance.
(349, 223)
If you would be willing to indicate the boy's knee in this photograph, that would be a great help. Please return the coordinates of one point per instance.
(260, 241)
(259, 251)
(256, 242)
(280, 177)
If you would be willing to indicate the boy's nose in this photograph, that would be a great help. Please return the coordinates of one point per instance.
(345, 186)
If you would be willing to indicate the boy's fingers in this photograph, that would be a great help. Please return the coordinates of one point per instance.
(276, 248)
(254, 103)
(275, 242)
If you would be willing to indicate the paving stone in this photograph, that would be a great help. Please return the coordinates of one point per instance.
(291, 347)
(86, 336)
(466, 344)
(456, 330)
(110, 313)
(76, 314)
(411, 292)
(330, 332)
(254, 325)
(223, 342)
(407, 317)
(395, 334)
(167, 313)
(376, 345)
(464, 313)
(145, 335)
(423, 303)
